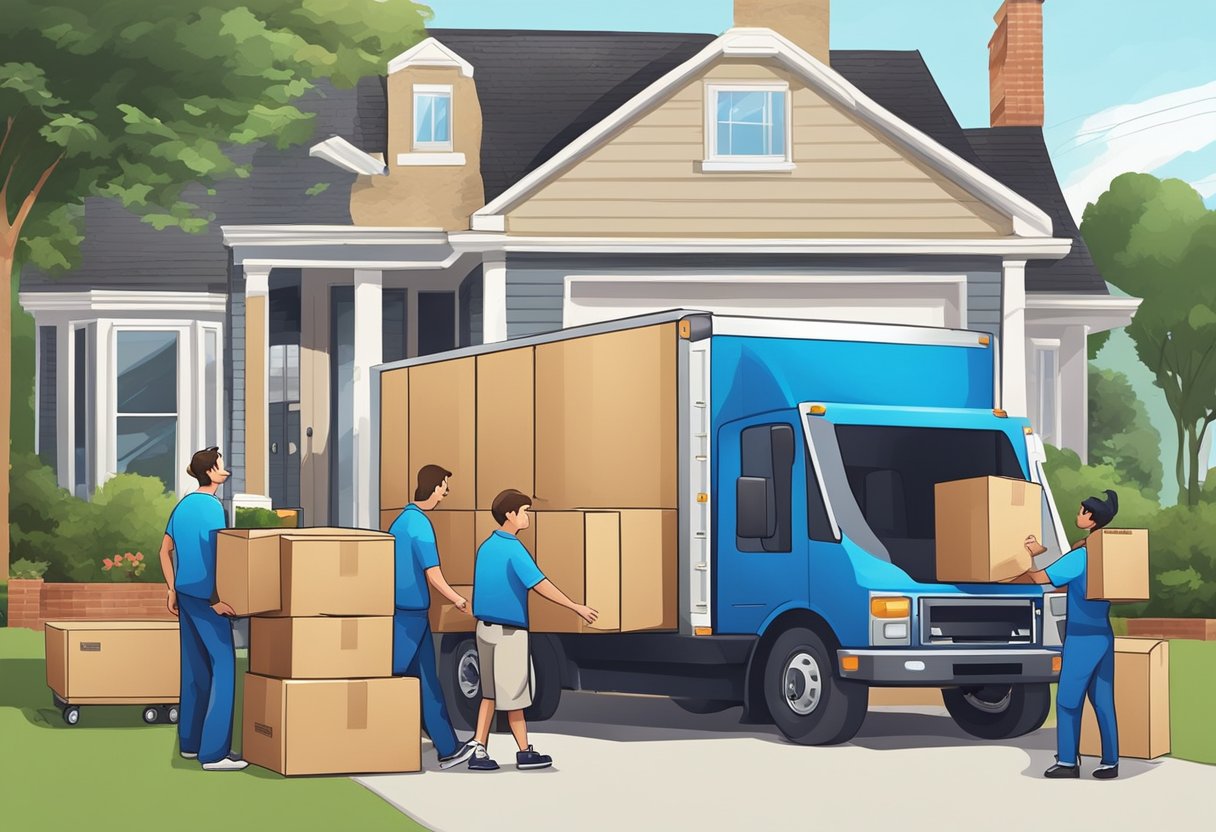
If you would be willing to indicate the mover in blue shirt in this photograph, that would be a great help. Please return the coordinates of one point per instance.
(1089, 650)
(187, 557)
(417, 569)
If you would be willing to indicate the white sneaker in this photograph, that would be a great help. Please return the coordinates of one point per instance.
(459, 756)
(226, 764)
(189, 755)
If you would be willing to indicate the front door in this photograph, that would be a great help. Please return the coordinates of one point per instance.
(283, 380)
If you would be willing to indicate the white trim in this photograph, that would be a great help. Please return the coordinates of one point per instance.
(108, 300)
(352, 263)
(326, 235)
(341, 153)
(368, 352)
(430, 52)
(435, 91)
(1038, 347)
(842, 331)
(758, 164)
(431, 159)
(493, 298)
(1013, 337)
(494, 223)
(1028, 219)
(1081, 303)
(716, 161)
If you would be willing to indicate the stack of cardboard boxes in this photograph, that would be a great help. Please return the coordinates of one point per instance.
(320, 697)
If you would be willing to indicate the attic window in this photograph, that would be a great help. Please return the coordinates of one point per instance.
(747, 127)
(432, 117)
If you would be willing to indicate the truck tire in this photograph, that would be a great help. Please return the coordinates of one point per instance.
(998, 712)
(807, 700)
(704, 706)
(546, 679)
(460, 678)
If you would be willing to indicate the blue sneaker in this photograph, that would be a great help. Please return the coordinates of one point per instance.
(530, 759)
(480, 761)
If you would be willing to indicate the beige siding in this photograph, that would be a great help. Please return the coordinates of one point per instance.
(848, 180)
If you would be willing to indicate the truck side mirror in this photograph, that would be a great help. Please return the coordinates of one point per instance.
(752, 516)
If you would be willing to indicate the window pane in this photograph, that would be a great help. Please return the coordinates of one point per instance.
(777, 134)
(147, 372)
(747, 140)
(147, 445)
(274, 382)
(724, 104)
(292, 384)
(210, 387)
(441, 107)
(748, 107)
(1047, 395)
(423, 127)
(723, 148)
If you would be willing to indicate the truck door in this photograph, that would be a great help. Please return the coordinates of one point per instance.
(761, 540)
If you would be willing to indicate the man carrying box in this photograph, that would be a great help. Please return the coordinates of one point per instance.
(1089, 649)
(208, 688)
(417, 566)
(503, 575)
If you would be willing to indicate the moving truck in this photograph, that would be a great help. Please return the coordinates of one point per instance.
(748, 502)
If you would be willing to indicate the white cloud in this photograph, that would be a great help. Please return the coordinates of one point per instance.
(1141, 137)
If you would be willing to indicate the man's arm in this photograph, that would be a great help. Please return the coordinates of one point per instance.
(1032, 576)
(548, 591)
(434, 577)
(166, 566)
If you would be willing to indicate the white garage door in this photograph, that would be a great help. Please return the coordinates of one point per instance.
(920, 300)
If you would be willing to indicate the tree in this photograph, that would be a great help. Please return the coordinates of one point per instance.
(135, 101)
(1155, 240)
(1120, 433)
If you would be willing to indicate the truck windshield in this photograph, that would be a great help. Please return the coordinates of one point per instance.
(892, 471)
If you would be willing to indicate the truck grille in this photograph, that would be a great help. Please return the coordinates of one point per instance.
(975, 621)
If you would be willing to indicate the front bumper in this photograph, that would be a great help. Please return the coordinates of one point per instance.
(940, 668)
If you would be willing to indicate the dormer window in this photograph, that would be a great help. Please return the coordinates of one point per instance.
(747, 127)
(432, 117)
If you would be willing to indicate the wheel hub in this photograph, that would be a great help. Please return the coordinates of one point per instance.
(468, 675)
(803, 683)
(992, 700)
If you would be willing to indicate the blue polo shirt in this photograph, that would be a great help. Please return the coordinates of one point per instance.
(1085, 617)
(194, 528)
(501, 579)
(416, 552)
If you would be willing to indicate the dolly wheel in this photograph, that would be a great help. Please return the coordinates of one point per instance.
(171, 714)
(151, 715)
(71, 714)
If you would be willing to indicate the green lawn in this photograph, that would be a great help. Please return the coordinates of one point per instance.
(1192, 679)
(114, 772)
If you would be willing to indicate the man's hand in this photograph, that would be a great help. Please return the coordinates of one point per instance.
(462, 605)
(171, 602)
(222, 608)
(1033, 546)
(586, 613)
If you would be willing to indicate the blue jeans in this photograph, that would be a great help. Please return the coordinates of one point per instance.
(204, 724)
(1088, 670)
(414, 655)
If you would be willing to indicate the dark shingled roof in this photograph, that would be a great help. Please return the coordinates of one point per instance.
(1018, 157)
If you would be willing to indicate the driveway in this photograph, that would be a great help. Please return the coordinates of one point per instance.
(641, 763)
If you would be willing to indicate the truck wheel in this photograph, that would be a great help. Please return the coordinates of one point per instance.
(547, 680)
(460, 678)
(704, 706)
(998, 712)
(807, 700)
(71, 715)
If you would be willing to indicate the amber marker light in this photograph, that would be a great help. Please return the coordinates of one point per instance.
(817, 410)
(891, 607)
(1028, 430)
(985, 340)
(850, 663)
(1057, 662)
(996, 411)
(685, 329)
(703, 631)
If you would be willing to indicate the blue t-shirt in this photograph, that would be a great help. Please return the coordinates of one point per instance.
(1085, 617)
(501, 579)
(194, 527)
(416, 552)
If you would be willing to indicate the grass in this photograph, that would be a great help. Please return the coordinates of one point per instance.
(1192, 678)
(113, 772)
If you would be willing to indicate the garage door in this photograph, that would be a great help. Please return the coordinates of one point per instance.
(901, 300)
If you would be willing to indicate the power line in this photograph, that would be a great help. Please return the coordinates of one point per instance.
(1104, 128)
(1134, 132)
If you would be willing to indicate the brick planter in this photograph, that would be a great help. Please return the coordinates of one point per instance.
(1200, 629)
(32, 603)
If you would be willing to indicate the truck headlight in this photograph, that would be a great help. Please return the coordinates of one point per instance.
(890, 620)
(891, 606)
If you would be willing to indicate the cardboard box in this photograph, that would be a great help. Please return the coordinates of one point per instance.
(982, 524)
(303, 726)
(455, 534)
(620, 563)
(1142, 701)
(336, 576)
(505, 398)
(321, 648)
(395, 490)
(251, 573)
(1117, 565)
(113, 662)
(443, 427)
(445, 618)
(606, 421)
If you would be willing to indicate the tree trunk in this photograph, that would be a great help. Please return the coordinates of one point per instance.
(1180, 462)
(8, 249)
(1193, 440)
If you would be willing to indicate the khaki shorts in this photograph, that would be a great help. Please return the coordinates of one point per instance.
(506, 667)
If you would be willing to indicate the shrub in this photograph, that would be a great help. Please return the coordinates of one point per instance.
(258, 518)
(27, 569)
(1120, 432)
(1071, 482)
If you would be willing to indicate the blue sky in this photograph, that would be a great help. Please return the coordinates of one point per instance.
(1130, 85)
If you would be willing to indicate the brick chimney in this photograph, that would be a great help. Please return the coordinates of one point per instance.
(805, 22)
(1015, 65)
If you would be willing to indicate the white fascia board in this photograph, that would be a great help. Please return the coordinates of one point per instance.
(430, 52)
(1028, 219)
(341, 153)
(126, 300)
(327, 235)
(1100, 313)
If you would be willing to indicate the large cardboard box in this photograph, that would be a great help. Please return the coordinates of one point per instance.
(620, 563)
(1142, 701)
(982, 524)
(606, 421)
(251, 568)
(343, 726)
(321, 648)
(1117, 565)
(445, 618)
(443, 427)
(455, 534)
(505, 427)
(113, 662)
(395, 491)
(336, 576)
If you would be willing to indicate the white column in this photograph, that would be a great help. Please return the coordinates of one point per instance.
(65, 457)
(1013, 337)
(257, 386)
(369, 351)
(103, 443)
(494, 297)
(1074, 390)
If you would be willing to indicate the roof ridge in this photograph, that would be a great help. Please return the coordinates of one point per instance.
(566, 32)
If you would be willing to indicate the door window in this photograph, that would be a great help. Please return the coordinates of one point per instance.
(767, 455)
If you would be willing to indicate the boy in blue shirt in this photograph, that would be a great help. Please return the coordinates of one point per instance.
(1089, 650)
(187, 557)
(502, 578)
(417, 569)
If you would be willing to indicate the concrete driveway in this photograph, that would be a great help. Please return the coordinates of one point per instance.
(641, 763)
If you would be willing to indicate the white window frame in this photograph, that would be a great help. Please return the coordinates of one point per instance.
(1038, 348)
(717, 162)
(432, 146)
(201, 331)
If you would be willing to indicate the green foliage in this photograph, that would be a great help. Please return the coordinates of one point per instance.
(27, 569)
(257, 518)
(127, 514)
(1071, 482)
(1120, 433)
(1096, 342)
(319, 188)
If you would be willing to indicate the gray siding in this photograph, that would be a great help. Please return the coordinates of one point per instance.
(471, 304)
(48, 422)
(984, 301)
(234, 380)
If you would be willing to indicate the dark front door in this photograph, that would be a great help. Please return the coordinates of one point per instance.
(436, 322)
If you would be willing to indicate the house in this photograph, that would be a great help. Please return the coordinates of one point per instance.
(496, 184)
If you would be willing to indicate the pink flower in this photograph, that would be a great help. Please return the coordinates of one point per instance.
(139, 555)
(108, 563)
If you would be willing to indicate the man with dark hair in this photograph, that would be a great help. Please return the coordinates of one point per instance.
(502, 578)
(187, 557)
(417, 567)
(1089, 649)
